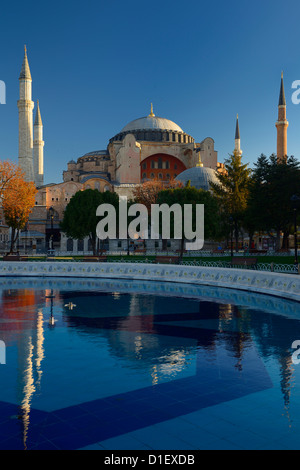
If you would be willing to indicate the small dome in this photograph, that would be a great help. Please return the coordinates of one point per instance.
(72, 162)
(199, 176)
(152, 123)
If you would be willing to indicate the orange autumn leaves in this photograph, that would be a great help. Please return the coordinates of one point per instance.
(147, 192)
(17, 195)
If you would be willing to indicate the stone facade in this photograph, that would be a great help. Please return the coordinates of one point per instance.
(134, 155)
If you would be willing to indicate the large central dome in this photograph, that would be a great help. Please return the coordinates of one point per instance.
(154, 128)
(152, 123)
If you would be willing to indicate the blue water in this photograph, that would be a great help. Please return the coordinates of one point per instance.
(134, 365)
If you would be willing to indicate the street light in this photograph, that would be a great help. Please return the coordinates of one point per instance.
(295, 201)
(51, 214)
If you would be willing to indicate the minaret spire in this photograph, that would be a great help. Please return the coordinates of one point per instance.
(237, 141)
(26, 105)
(25, 70)
(38, 149)
(282, 125)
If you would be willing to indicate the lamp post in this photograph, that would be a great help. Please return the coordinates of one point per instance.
(51, 214)
(231, 241)
(295, 201)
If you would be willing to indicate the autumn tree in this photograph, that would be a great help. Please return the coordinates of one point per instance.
(17, 203)
(8, 173)
(147, 192)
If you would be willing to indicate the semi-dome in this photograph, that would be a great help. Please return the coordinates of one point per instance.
(199, 177)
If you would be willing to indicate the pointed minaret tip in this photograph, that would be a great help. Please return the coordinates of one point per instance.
(38, 119)
(282, 101)
(25, 70)
(237, 128)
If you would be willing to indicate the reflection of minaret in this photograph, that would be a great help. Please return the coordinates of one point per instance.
(286, 373)
(30, 352)
(237, 140)
(282, 125)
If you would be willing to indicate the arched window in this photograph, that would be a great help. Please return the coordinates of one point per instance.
(152, 175)
(160, 176)
(144, 175)
(159, 163)
(152, 164)
(80, 245)
(167, 164)
(97, 185)
(167, 176)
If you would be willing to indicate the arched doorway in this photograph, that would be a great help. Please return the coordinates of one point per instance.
(161, 166)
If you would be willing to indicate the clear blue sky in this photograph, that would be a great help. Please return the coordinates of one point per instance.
(97, 65)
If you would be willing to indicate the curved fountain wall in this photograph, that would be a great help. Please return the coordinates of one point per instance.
(276, 284)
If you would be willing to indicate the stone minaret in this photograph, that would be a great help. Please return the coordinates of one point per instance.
(26, 105)
(38, 149)
(237, 141)
(282, 125)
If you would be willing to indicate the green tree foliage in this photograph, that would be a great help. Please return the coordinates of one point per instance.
(272, 185)
(80, 218)
(231, 193)
(191, 195)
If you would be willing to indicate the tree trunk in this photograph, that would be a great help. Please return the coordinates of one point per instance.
(101, 247)
(236, 235)
(285, 241)
(278, 240)
(14, 237)
(93, 242)
(181, 249)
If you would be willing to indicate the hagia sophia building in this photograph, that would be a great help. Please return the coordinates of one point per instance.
(146, 148)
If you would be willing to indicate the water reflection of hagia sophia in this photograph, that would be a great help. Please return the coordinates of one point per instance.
(134, 334)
